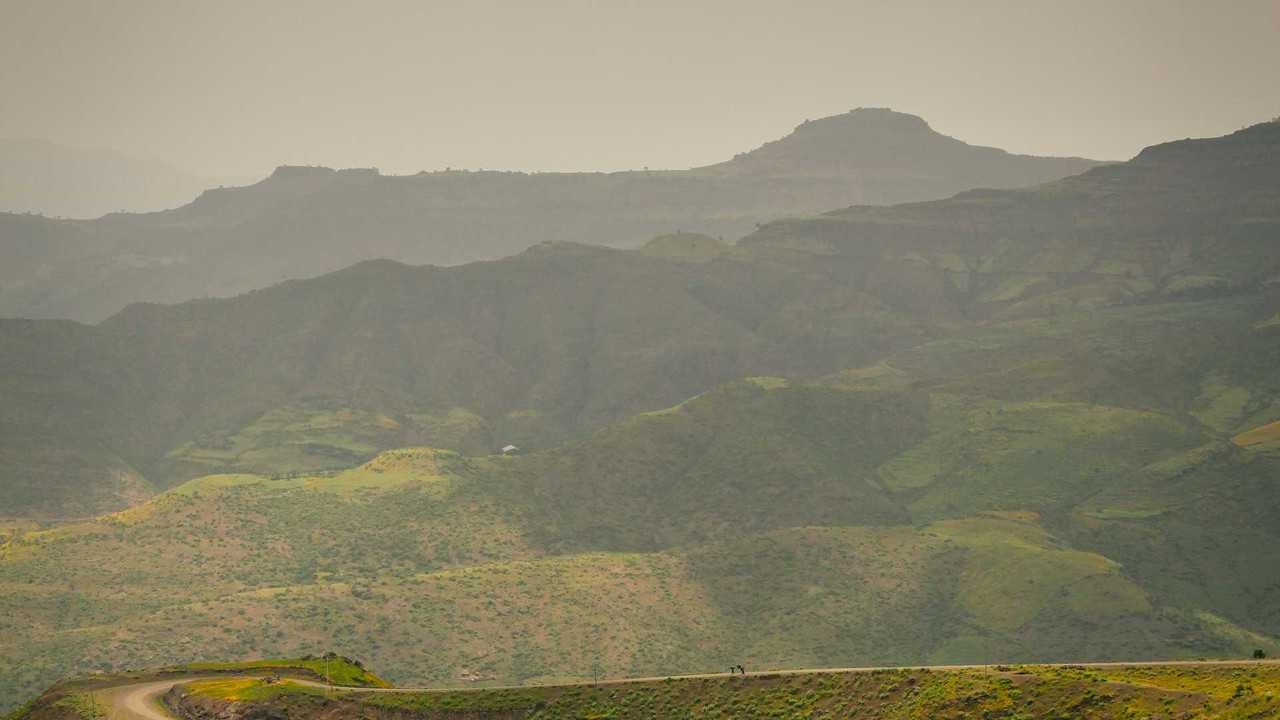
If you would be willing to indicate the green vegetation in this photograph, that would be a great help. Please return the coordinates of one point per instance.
(1219, 692)
(290, 440)
(562, 340)
(333, 668)
(85, 705)
(251, 689)
(1265, 437)
(759, 522)
(301, 439)
(1035, 455)
(752, 523)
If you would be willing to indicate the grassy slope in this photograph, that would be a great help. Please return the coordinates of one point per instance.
(749, 456)
(817, 548)
(1213, 693)
(530, 350)
(318, 436)
(335, 669)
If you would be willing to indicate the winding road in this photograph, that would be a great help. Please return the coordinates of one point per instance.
(141, 701)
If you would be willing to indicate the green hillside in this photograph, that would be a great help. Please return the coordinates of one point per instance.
(330, 667)
(1211, 692)
(1214, 691)
(1194, 218)
(563, 339)
(777, 523)
(530, 350)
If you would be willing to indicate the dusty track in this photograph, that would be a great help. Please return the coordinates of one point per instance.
(139, 701)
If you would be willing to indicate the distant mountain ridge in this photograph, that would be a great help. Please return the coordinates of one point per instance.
(1190, 217)
(302, 221)
(882, 143)
(562, 338)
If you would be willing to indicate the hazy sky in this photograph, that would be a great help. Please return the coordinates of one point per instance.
(234, 88)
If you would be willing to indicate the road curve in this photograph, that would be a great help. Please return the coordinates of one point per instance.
(139, 701)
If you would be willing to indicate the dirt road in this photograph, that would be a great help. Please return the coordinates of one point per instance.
(140, 701)
(836, 670)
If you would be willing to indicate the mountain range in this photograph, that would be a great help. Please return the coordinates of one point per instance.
(304, 221)
(1037, 423)
(564, 338)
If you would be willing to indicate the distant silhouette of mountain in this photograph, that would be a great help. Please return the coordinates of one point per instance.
(305, 221)
(899, 156)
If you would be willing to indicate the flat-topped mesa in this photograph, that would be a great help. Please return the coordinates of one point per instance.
(289, 172)
(285, 172)
(881, 139)
(231, 205)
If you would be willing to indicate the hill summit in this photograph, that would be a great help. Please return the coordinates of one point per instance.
(879, 140)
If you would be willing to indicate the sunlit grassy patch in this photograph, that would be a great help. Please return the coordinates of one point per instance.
(1265, 436)
(1020, 693)
(85, 705)
(1218, 682)
(250, 689)
(1160, 487)
(1221, 405)
(984, 455)
(337, 670)
(1014, 571)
